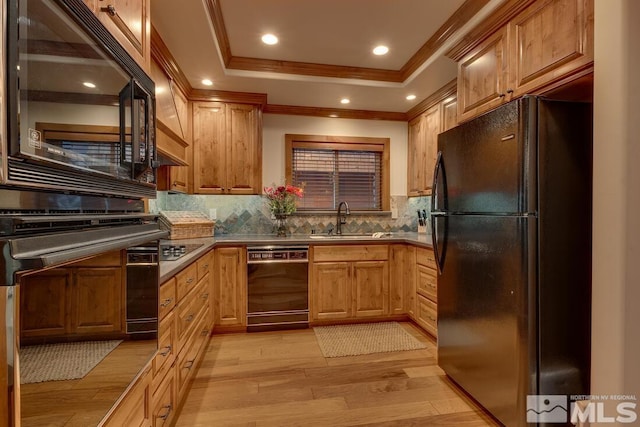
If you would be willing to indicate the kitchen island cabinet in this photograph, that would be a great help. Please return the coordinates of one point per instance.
(349, 282)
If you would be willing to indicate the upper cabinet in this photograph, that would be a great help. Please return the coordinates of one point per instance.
(172, 118)
(227, 157)
(544, 43)
(440, 115)
(129, 22)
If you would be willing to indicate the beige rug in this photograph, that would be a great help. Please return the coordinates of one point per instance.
(59, 362)
(364, 338)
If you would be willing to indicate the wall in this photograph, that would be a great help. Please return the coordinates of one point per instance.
(249, 214)
(616, 202)
(275, 126)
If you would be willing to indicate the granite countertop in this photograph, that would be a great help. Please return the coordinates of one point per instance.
(170, 268)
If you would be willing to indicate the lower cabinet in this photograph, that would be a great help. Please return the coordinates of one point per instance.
(426, 314)
(349, 282)
(230, 287)
(133, 410)
(82, 299)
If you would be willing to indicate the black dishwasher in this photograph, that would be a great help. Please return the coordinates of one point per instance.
(278, 288)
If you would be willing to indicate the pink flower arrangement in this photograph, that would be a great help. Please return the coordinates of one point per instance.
(282, 199)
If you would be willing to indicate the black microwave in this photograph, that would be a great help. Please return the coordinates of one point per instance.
(80, 111)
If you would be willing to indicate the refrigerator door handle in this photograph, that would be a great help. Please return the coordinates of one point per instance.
(434, 240)
(434, 185)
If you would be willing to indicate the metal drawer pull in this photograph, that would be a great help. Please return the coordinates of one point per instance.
(206, 266)
(166, 302)
(204, 332)
(205, 295)
(110, 9)
(166, 351)
(189, 280)
(165, 415)
(189, 364)
(189, 318)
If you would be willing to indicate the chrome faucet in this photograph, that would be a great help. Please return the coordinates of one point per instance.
(341, 219)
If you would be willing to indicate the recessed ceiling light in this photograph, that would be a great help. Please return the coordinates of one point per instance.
(207, 82)
(380, 50)
(345, 101)
(411, 97)
(89, 85)
(269, 39)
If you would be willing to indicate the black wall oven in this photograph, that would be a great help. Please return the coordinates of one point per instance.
(80, 110)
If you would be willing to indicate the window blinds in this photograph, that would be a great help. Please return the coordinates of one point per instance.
(332, 173)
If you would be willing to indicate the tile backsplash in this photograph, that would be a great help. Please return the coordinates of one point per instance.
(250, 214)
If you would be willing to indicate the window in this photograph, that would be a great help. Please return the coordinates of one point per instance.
(334, 169)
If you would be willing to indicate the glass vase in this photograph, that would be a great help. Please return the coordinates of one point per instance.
(281, 225)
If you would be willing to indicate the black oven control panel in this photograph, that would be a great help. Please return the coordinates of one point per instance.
(277, 254)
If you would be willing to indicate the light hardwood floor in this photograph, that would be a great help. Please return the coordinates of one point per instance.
(282, 379)
(84, 402)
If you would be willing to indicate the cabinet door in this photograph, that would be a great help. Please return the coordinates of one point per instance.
(370, 288)
(231, 288)
(244, 150)
(401, 279)
(98, 305)
(482, 76)
(449, 113)
(134, 410)
(550, 39)
(431, 131)
(417, 157)
(331, 291)
(209, 147)
(129, 22)
(45, 303)
(164, 402)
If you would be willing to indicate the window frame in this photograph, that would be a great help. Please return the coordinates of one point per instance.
(350, 143)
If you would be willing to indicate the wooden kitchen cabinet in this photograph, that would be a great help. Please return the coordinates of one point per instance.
(423, 140)
(185, 326)
(134, 409)
(129, 21)
(77, 300)
(402, 260)
(546, 43)
(349, 282)
(426, 314)
(230, 297)
(227, 142)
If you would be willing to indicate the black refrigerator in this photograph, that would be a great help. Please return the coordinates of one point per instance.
(511, 226)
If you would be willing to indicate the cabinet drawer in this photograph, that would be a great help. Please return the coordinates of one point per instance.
(351, 253)
(164, 401)
(189, 310)
(428, 315)
(167, 297)
(166, 354)
(426, 257)
(188, 357)
(205, 265)
(427, 282)
(186, 280)
(133, 409)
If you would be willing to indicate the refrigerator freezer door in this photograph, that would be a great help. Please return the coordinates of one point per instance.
(485, 294)
(484, 163)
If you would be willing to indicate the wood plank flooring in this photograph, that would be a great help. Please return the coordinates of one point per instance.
(282, 379)
(84, 402)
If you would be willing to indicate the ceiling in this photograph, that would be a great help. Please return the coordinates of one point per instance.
(324, 53)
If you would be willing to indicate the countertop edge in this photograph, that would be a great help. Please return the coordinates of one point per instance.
(168, 269)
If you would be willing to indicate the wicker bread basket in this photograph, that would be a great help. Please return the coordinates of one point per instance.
(186, 224)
